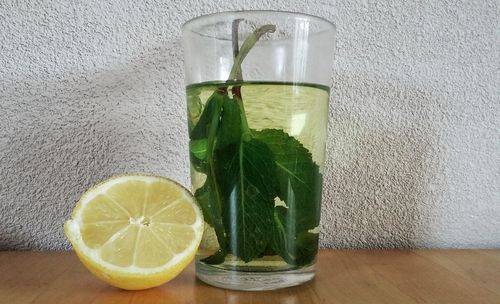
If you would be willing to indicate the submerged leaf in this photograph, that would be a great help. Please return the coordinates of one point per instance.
(199, 148)
(230, 130)
(249, 188)
(212, 108)
(299, 187)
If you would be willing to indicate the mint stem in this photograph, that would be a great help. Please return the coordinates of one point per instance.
(236, 46)
(239, 55)
(247, 46)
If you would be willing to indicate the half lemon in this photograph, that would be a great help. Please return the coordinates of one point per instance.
(135, 231)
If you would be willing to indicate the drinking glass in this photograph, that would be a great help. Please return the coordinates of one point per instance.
(257, 86)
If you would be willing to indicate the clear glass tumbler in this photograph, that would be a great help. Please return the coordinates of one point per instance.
(258, 85)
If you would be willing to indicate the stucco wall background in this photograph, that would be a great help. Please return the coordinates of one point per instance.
(89, 89)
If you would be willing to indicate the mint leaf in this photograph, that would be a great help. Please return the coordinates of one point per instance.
(199, 165)
(209, 197)
(199, 132)
(205, 196)
(212, 108)
(230, 130)
(199, 148)
(198, 154)
(299, 186)
(296, 247)
(204, 199)
(249, 187)
(298, 176)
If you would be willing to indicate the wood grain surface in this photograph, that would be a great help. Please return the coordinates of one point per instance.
(343, 276)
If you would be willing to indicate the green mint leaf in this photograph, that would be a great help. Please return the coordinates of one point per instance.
(299, 186)
(199, 148)
(212, 108)
(307, 248)
(204, 200)
(299, 177)
(230, 129)
(216, 258)
(228, 132)
(212, 215)
(249, 187)
(209, 196)
(198, 154)
(296, 247)
(199, 165)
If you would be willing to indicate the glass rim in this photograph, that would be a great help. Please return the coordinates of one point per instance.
(185, 26)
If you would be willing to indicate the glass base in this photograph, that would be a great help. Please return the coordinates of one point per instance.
(250, 280)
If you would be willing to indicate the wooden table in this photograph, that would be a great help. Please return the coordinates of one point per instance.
(343, 276)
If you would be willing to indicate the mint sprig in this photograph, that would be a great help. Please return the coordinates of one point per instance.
(247, 170)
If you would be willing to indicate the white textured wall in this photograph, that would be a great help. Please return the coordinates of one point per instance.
(89, 89)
